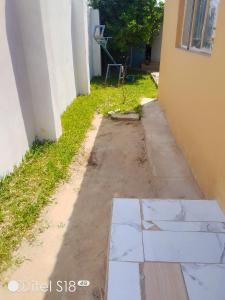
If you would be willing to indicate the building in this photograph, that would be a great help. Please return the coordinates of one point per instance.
(192, 87)
(47, 57)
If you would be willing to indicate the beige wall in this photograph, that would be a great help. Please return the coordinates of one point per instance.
(192, 93)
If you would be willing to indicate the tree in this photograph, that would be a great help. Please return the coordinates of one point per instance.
(131, 23)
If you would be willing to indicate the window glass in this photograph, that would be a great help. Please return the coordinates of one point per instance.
(210, 25)
(199, 23)
(187, 22)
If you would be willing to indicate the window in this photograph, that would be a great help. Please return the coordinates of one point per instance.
(199, 25)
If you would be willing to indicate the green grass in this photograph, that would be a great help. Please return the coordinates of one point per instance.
(27, 190)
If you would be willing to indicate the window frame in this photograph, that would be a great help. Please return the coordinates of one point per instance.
(191, 31)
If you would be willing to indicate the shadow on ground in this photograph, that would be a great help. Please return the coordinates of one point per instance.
(117, 167)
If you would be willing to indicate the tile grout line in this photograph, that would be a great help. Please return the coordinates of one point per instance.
(142, 237)
(175, 221)
(182, 274)
(142, 281)
(141, 265)
(108, 254)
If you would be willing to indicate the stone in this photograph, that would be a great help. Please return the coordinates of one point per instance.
(125, 117)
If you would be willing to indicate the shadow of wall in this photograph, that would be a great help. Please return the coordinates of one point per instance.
(117, 167)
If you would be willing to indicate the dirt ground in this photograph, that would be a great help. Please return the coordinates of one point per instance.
(73, 245)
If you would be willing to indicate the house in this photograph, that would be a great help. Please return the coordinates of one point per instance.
(192, 87)
(47, 57)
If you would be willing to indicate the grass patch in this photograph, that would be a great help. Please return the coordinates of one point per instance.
(27, 190)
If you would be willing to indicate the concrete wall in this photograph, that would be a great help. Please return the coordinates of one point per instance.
(44, 58)
(94, 48)
(58, 40)
(32, 24)
(192, 92)
(80, 46)
(14, 132)
(156, 48)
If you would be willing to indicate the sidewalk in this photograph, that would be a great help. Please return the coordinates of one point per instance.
(171, 175)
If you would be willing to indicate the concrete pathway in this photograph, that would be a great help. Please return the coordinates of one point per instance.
(171, 175)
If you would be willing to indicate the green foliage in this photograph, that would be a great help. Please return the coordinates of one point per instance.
(27, 190)
(131, 23)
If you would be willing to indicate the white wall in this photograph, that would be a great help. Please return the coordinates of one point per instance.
(33, 29)
(13, 131)
(94, 48)
(80, 46)
(44, 58)
(156, 48)
(58, 41)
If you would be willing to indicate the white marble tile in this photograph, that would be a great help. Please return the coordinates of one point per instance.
(148, 225)
(199, 247)
(126, 243)
(123, 281)
(126, 211)
(202, 210)
(184, 226)
(204, 282)
(160, 209)
(182, 210)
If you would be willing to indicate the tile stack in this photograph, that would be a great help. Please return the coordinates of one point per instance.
(166, 250)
